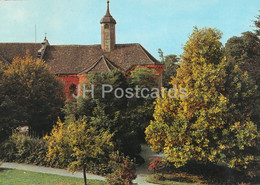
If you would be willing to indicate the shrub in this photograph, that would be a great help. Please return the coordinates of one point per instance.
(102, 168)
(157, 165)
(123, 170)
(23, 149)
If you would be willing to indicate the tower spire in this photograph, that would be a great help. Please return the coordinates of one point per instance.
(108, 31)
(108, 17)
(108, 12)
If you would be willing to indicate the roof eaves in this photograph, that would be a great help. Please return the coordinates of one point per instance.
(158, 65)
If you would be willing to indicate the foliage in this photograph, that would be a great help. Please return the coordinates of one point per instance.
(171, 66)
(142, 77)
(201, 127)
(139, 108)
(161, 56)
(157, 165)
(124, 170)
(7, 108)
(170, 70)
(78, 145)
(243, 55)
(32, 95)
(23, 149)
(125, 118)
(257, 25)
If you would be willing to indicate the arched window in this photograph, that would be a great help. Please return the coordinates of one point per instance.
(72, 88)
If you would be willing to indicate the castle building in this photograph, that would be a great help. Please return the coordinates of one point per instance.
(71, 63)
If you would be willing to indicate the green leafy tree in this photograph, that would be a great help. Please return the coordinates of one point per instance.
(125, 118)
(200, 127)
(171, 66)
(36, 94)
(7, 108)
(109, 113)
(161, 56)
(143, 77)
(78, 145)
(243, 56)
(140, 109)
(257, 25)
(170, 70)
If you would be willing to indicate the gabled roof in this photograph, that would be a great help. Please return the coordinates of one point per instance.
(78, 59)
(102, 64)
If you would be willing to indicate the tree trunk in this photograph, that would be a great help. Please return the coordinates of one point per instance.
(84, 174)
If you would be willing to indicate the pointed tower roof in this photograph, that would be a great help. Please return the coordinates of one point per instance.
(108, 18)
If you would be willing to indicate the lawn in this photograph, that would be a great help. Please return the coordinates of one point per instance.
(173, 179)
(21, 177)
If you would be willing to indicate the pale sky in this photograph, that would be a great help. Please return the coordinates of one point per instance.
(164, 24)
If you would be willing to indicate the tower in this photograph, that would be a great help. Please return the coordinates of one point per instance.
(108, 31)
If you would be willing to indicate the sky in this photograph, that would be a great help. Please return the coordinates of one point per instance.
(164, 24)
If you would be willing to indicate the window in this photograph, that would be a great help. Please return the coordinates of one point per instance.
(72, 88)
(106, 26)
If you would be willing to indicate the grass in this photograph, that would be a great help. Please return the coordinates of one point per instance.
(21, 177)
(173, 179)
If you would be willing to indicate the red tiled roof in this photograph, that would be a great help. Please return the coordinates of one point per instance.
(76, 59)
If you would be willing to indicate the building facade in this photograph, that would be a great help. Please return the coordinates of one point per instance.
(72, 63)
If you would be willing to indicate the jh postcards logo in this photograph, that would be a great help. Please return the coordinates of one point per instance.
(129, 93)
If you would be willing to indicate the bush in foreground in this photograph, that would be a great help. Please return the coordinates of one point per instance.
(123, 170)
(23, 149)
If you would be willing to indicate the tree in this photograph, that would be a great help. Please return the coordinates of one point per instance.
(257, 25)
(36, 93)
(140, 109)
(143, 77)
(109, 113)
(171, 66)
(126, 118)
(78, 145)
(243, 53)
(7, 108)
(201, 126)
(170, 70)
(161, 56)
